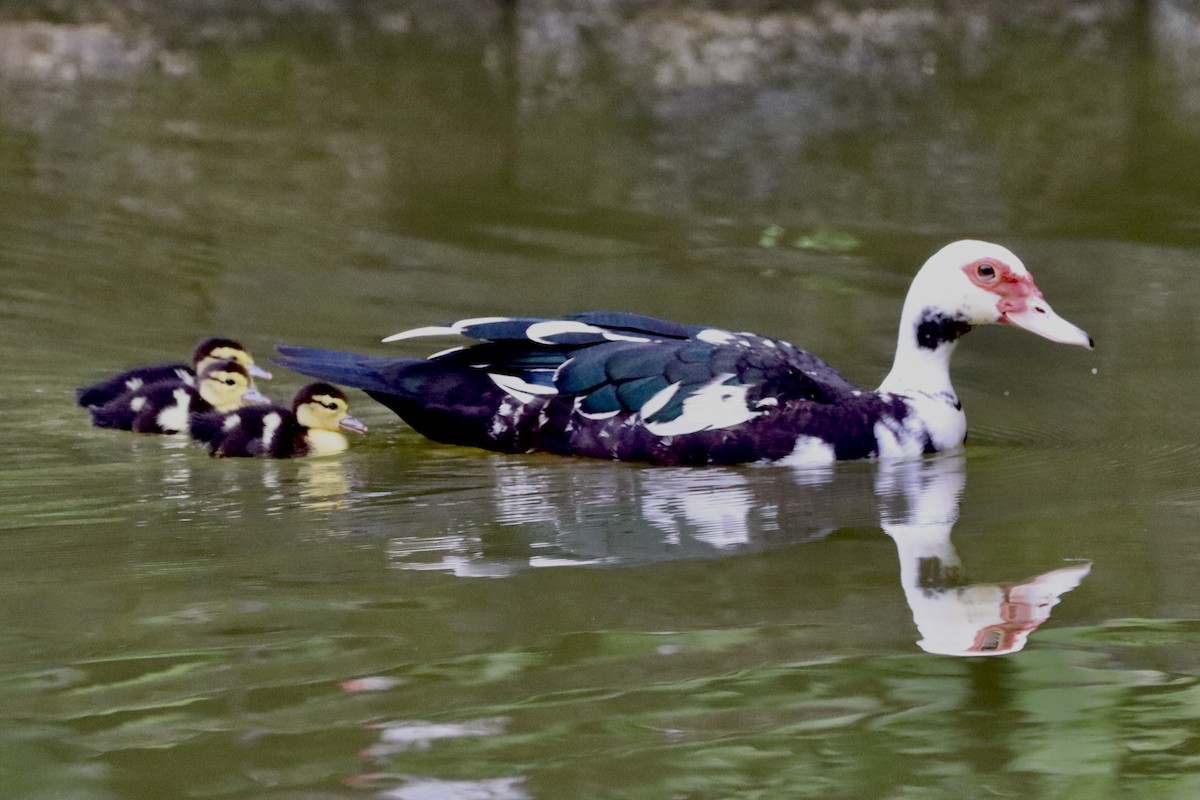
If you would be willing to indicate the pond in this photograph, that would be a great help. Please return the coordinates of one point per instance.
(410, 620)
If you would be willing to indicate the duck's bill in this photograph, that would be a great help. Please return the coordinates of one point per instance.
(253, 397)
(353, 424)
(258, 372)
(1037, 317)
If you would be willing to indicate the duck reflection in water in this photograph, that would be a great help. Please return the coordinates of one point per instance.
(605, 514)
(919, 504)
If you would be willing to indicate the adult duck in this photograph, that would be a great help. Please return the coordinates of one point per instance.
(623, 386)
(208, 351)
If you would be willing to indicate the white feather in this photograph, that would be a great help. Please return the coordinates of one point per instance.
(445, 352)
(271, 424)
(428, 330)
(613, 336)
(519, 388)
(660, 399)
(542, 331)
(810, 451)
(714, 405)
(175, 416)
(715, 336)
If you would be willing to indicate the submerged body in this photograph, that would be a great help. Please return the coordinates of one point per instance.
(309, 428)
(628, 387)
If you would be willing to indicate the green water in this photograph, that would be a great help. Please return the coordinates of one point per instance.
(410, 620)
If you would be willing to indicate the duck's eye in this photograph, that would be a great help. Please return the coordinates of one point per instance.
(986, 271)
(331, 406)
(230, 381)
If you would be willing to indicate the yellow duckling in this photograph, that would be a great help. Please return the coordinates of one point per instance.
(320, 411)
(167, 406)
(207, 352)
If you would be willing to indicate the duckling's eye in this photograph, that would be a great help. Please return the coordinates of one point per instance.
(330, 406)
(986, 271)
(230, 381)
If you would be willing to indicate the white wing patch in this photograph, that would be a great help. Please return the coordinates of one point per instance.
(231, 421)
(271, 424)
(715, 405)
(715, 336)
(137, 404)
(446, 352)
(133, 384)
(596, 415)
(543, 332)
(660, 399)
(520, 388)
(174, 418)
(444, 330)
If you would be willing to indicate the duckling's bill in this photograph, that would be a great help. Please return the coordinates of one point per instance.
(352, 424)
(253, 397)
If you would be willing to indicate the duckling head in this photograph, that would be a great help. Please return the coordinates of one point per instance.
(227, 385)
(218, 349)
(323, 406)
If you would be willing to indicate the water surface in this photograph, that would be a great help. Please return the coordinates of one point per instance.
(410, 620)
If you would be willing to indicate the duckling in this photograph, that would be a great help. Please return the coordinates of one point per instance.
(166, 406)
(207, 352)
(310, 428)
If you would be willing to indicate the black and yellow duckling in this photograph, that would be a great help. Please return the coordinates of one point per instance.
(310, 428)
(167, 406)
(207, 352)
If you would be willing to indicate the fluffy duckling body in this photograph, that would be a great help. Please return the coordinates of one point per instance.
(311, 428)
(207, 352)
(167, 406)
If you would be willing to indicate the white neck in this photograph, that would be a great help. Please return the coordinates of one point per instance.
(918, 369)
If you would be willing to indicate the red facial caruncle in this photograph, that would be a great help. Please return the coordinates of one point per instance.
(1014, 290)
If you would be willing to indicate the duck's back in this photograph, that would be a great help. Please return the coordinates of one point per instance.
(162, 407)
(132, 380)
(618, 386)
(270, 431)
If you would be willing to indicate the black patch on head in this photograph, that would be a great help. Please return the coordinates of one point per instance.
(935, 328)
(206, 348)
(934, 575)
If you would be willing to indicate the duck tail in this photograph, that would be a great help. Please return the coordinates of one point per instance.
(369, 373)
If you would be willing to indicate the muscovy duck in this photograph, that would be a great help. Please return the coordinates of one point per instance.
(623, 386)
(310, 428)
(206, 352)
(166, 406)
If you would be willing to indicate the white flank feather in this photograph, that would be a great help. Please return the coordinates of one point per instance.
(810, 451)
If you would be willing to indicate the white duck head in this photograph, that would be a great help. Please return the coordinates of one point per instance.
(965, 284)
